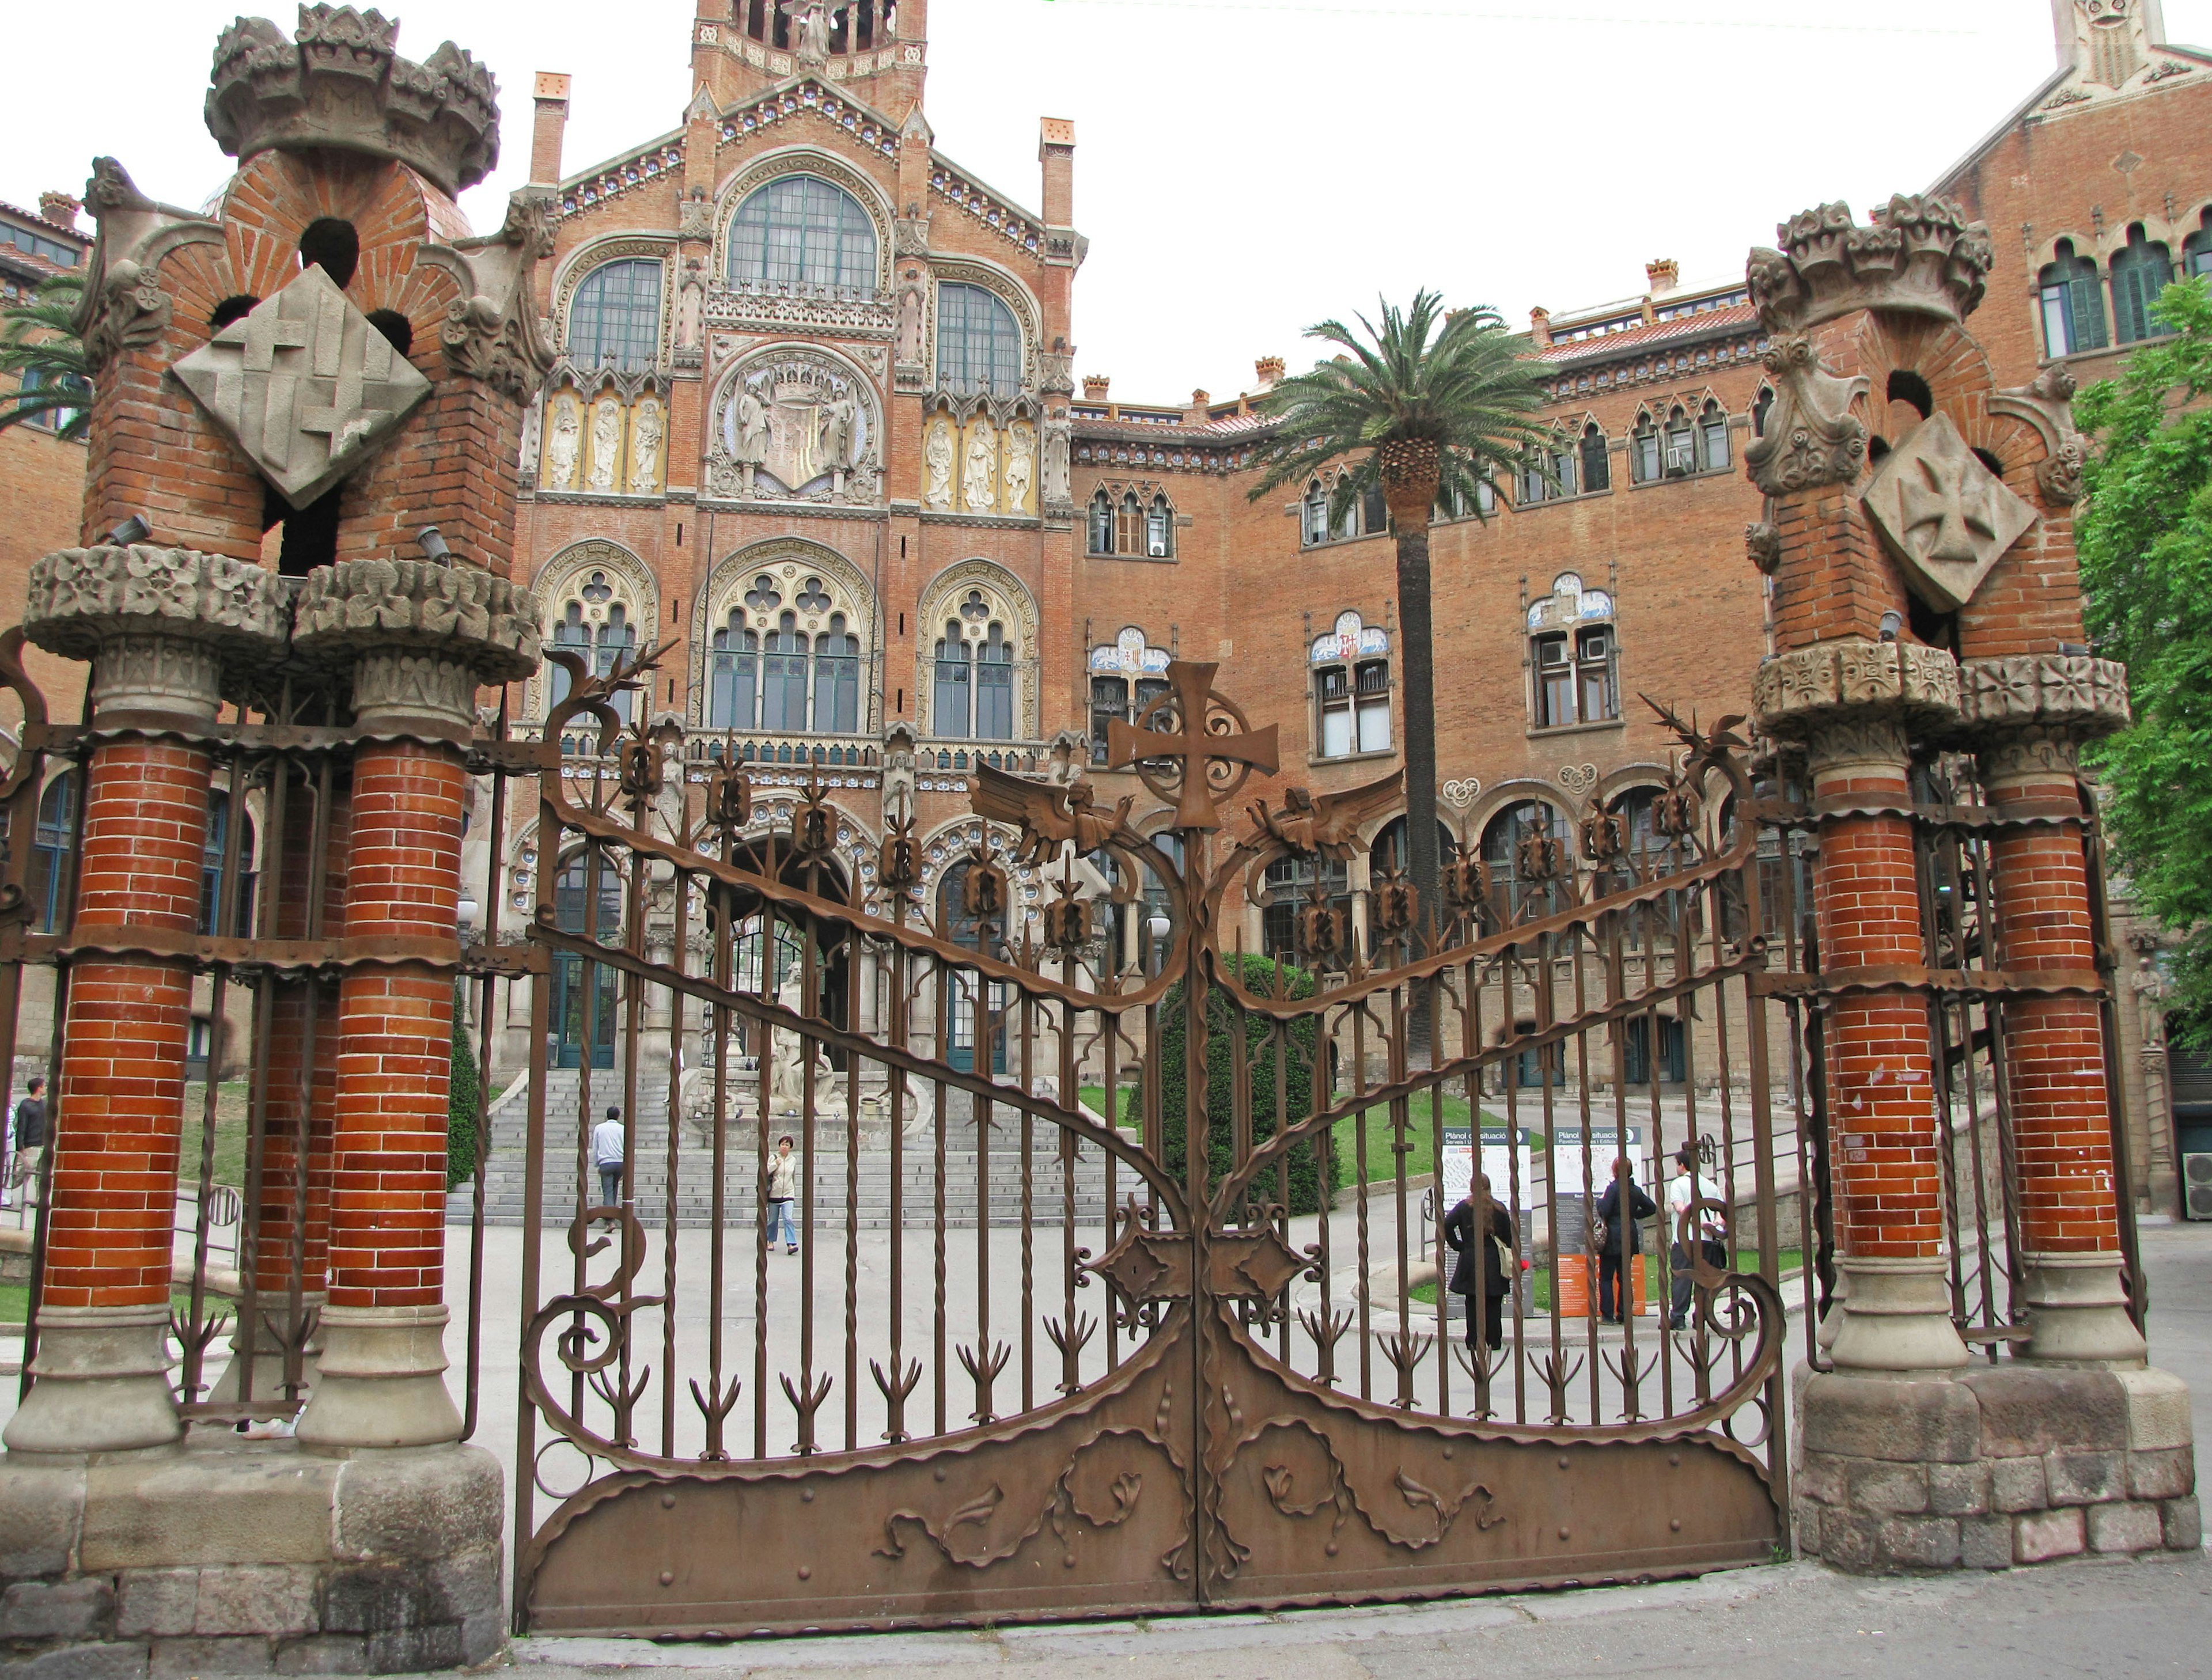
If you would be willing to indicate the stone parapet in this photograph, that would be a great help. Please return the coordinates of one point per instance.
(342, 85)
(1799, 694)
(1999, 1465)
(165, 630)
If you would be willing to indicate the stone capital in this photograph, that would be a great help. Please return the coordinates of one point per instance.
(2045, 695)
(160, 626)
(417, 637)
(1799, 694)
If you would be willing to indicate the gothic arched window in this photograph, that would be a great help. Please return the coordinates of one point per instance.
(803, 231)
(2196, 254)
(1643, 449)
(836, 680)
(1374, 512)
(1597, 470)
(1102, 523)
(1712, 437)
(733, 676)
(614, 317)
(53, 844)
(1159, 529)
(1314, 519)
(2140, 273)
(1681, 443)
(1129, 525)
(1503, 839)
(948, 712)
(2073, 303)
(994, 687)
(783, 677)
(979, 346)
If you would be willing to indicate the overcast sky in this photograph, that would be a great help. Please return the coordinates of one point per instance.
(1242, 170)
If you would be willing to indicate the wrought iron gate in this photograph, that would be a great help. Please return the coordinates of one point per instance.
(1153, 1318)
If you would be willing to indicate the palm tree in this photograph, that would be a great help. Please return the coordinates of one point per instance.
(1432, 405)
(39, 346)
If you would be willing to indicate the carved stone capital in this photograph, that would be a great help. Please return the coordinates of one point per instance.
(1854, 681)
(1858, 747)
(160, 625)
(419, 638)
(2046, 404)
(1919, 255)
(496, 334)
(127, 310)
(2033, 756)
(2073, 694)
(343, 84)
(1812, 436)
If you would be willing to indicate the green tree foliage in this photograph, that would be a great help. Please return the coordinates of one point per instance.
(2145, 536)
(39, 346)
(463, 1095)
(1263, 1052)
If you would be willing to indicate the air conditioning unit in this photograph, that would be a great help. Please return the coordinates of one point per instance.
(2197, 1187)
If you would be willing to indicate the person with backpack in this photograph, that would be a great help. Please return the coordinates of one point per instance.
(1485, 1266)
(1620, 1236)
(1685, 1192)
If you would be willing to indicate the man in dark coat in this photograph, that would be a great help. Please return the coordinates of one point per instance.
(1483, 1267)
(1624, 1236)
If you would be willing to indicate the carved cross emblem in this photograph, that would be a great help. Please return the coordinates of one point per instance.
(1197, 758)
(305, 385)
(1944, 514)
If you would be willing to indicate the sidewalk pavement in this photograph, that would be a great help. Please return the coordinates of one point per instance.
(2141, 1617)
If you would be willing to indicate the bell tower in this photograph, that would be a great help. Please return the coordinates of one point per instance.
(878, 49)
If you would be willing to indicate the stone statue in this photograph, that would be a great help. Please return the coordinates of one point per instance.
(533, 441)
(912, 303)
(977, 486)
(811, 34)
(837, 433)
(2149, 987)
(566, 444)
(939, 457)
(606, 442)
(645, 435)
(691, 310)
(1058, 450)
(753, 427)
(786, 1061)
(1021, 465)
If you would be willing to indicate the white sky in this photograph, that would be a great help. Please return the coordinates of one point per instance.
(1242, 170)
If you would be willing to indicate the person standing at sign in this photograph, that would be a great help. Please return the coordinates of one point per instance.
(1485, 1266)
(1684, 1193)
(1622, 1236)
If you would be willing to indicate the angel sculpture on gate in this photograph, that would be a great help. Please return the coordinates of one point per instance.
(1329, 823)
(1048, 817)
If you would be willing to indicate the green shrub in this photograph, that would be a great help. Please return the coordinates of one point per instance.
(1261, 976)
(461, 1101)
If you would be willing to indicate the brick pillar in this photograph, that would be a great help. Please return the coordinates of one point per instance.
(2033, 711)
(1886, 1171)
(421, 637)
(157, 625)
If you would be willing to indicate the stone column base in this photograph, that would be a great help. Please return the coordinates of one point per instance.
(2013, 1463)
(268, 1362)
(2078, 1312)
(1893, 1316)
(101, 1383)
(231, 1556)
(381, 1381)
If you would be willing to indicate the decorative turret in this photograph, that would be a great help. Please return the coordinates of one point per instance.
(1919, 255)
(341, 83)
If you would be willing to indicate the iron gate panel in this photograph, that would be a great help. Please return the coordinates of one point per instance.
(1102, 1370)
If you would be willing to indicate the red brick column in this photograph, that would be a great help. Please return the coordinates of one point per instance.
(157, 624)
(423, 637)
(1885, 1167)
(2061, 1119)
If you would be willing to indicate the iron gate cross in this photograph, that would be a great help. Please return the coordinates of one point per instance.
(1192, 746)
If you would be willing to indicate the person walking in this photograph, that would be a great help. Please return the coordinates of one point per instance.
(1681, 1195)
(1622, 1239)
(29, 1132)
(782, 1192)
(1485, 1266)
(607, 1157)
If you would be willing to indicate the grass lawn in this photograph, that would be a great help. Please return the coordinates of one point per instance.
(230, 1134)
(1421, 1139)
(1093, 1097)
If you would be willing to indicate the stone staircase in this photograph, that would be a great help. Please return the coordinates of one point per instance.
(510, 1129)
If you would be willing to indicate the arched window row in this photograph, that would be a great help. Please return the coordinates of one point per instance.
(1569, 465)
(785, 657)
(1132, 525)
(857, 27)
(1366, 515)
(1574, 658)
(2070, 291)
(1689, 439)
(1351, 689)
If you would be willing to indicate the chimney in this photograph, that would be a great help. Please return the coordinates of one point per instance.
(1539, 327)
(1663, 274)
(1056, 152)
(1095, 387)
(1270, 370)
(545, 137)
(59, 209)
(1195, 414)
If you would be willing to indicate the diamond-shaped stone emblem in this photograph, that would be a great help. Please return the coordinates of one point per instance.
(1946, 517)
(305, 385)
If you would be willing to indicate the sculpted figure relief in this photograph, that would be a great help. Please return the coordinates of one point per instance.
(913, 300)
(644, 435)
(977, 486)
(564, 447)
(837, 433)
(691, 310)
(1021, 465)
(939, 458)
(606, 442)
(811, 34)
(1058, 452)
(787, 1061)
(753, 427)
